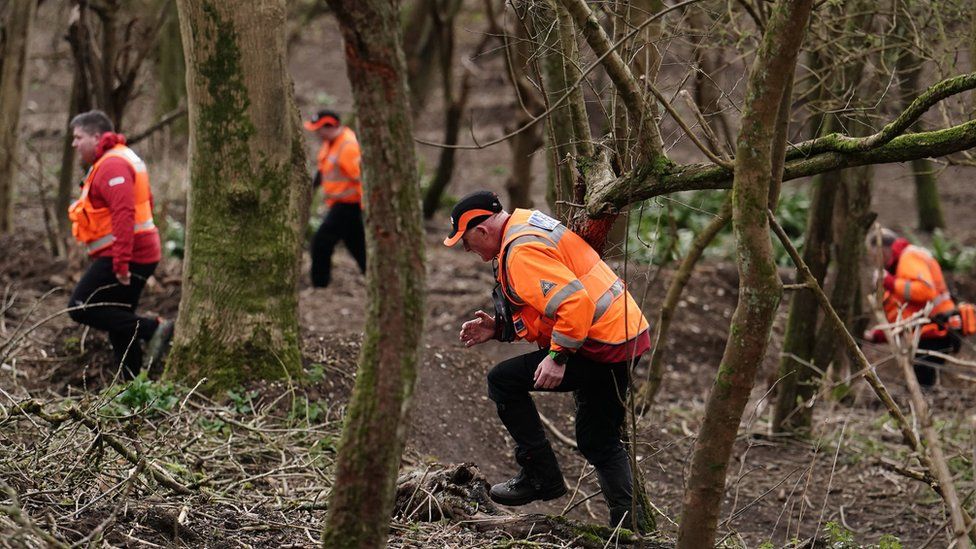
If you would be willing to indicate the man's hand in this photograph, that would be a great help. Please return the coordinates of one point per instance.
(478, 330)
(888, 282)
(124, 278)
(875, 336)
(549, 374)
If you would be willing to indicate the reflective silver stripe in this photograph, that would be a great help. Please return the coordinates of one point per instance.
(566, 341)
(907, 293)
(561, 295)
(110, 238)
(940, 299)
(144, 225)
(334, 177)
(343, 194)
(101, 242)
(554, 235)
(603, 304)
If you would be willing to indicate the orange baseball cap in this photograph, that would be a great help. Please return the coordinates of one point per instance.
(321, 119)
(470, 211)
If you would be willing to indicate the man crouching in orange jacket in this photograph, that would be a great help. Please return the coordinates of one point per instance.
(554, 289)
(912, 281)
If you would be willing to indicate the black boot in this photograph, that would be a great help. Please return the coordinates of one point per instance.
(539, 479)
(617, 484)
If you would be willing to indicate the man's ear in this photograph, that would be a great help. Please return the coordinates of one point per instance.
(481, 230)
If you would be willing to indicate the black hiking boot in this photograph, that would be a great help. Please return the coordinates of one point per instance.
(539, 479)
(617, 484)
(525, 489)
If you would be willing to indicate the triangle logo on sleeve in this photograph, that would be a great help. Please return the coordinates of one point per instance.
(547, 287)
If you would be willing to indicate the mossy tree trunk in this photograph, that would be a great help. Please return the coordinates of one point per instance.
(373, 438)
(238, 318)
(770, 80)
(13, 77)
(928, 205)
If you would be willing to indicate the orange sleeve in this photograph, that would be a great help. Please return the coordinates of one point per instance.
(349, 160)
(545, 284)
(914, 281)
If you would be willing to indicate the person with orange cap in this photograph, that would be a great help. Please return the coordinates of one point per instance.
(913, 284)
(339, 176)
(113, 220)
(553, 289)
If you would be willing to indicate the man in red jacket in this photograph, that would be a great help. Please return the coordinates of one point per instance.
(113, 219)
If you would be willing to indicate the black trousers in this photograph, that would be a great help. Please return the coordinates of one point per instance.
(343, 222)
(925, 366)
(125, 328)
(600, 390)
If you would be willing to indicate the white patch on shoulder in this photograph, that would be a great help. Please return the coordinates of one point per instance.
(543, 221)
(116, 181)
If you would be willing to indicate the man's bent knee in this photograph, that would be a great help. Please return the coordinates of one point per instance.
(78, 312)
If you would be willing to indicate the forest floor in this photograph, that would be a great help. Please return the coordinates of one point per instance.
(258, 465)
(845, 473)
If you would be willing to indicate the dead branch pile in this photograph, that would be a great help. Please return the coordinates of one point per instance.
(144, 464)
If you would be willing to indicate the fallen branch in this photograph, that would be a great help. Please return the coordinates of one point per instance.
(32, 407)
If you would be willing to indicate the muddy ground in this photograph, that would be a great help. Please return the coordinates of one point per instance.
(777, 489)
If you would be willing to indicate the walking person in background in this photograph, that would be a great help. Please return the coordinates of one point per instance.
(338, 174)
(113, 220)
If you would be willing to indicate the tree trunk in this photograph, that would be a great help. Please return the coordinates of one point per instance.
(759, 285)
(238, 317)
(455, 104)
(427, 28)
(797, 382)
(171, 69)
(546, 30)
(523, 145)
(927, 201)
(853, 218)
(13, 78)
(801, 324)
(373, 438)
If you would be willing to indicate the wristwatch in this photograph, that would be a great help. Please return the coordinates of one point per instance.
(559, 357)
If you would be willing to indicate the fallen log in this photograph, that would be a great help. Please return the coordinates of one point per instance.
(459, 493)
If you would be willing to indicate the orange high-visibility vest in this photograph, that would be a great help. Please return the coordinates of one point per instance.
(563, 295)
(339, 166)
(918, 281)
(93, 226)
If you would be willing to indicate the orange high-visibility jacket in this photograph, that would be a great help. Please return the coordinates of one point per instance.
(918, 281)
(563, 295)
(93, 226)
(339, 167)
